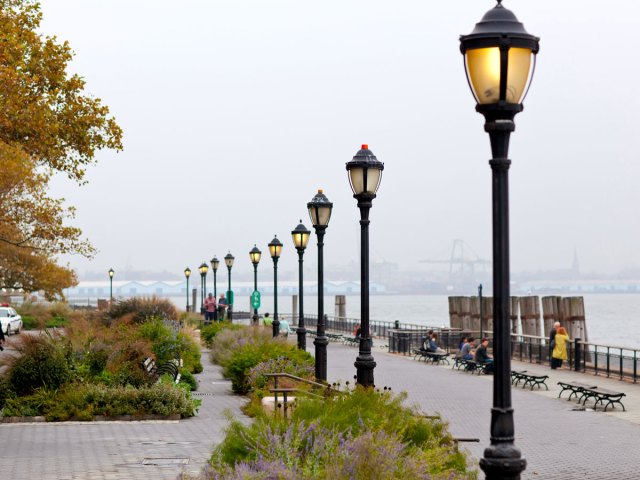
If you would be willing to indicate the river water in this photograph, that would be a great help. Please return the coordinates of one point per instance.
(611, 318)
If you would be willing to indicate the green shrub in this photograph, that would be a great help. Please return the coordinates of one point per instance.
(83, 402)
(43, 361)
(314, 445)
(208, 332)
(250, 355)
(187, 378)
(5, 390)
(141, 309)
(56, 322)
(168, 344)
(29, 322)
(229, 341)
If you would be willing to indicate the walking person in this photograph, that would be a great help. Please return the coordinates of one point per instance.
(222, 307)
(2, 335)
(560, 349)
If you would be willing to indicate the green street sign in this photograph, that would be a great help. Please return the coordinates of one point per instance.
(229, 297)
(255, 299)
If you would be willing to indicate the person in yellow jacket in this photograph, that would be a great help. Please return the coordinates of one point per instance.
(560, 350)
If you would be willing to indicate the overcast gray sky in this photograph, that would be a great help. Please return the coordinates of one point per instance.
(236, 111)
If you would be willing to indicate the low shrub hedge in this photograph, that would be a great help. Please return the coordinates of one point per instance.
(84, 401)
(209, 332)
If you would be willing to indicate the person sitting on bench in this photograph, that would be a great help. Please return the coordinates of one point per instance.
(432, 345)
(483, 357)
(468, 349)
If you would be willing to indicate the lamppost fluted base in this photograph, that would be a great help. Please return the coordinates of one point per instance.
(364, 369)
(301, 332)
(275, 326)
(321, 357)
(502, 462)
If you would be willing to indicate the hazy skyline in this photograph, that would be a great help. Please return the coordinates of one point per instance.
(235, 112)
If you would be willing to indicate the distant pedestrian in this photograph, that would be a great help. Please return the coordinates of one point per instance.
(209, 308)
(560, 349)
(267, 320)
(2, 335)
(222, 307)
(552, 340)
(285, 329)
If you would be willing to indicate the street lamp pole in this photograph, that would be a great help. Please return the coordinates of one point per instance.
(214, 267)
(499, 61)
(275, 249)
(255, 255)
(320, 213)
(187, 274)
(300, 237)
(111, 273)
(203, 284)
(365, 172)
(481, 312)
(228, 260)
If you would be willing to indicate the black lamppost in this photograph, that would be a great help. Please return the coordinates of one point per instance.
(228, 261)
(300, 237)
(365, 172)
(320, 212)
(499, 61)
(214, 267)
(111, 273)
(275, 249)
(481, 312)
(187, 274)
(255, 255)
(203, 284)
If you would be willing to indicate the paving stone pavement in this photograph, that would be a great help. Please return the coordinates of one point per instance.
(558, 443)
(117, 450)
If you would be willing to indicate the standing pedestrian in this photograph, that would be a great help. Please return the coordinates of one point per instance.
(222, 307)
(209, 308)
(560, 349)
(552, 341)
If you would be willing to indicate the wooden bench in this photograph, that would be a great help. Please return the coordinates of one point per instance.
(576, 389)
(600, 395)
(529, 379)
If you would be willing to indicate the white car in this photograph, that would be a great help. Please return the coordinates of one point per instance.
(10, 321)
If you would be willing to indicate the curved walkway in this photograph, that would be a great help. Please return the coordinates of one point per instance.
(121, 450)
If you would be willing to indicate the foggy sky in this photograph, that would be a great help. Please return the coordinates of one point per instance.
(236, 111)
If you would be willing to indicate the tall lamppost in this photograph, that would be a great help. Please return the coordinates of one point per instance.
(203, 284)
(481, 311)
(228, 261)
(499, 62)
(320, 212)
(111, 274)
(365, 172)
(214, 267)
(275, 249)
(187, 274)
(300, 236)
(255, 255)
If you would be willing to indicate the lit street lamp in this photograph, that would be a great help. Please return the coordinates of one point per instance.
(228, 261)
(275, 249)
(365, 172)
(187, 274)
(111, 273)
(214, 267)
(300, 237)
(499, 60)
(255, 255)
(320, 212)
(203, 284)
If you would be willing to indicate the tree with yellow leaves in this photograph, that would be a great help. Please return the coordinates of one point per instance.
(47, 125)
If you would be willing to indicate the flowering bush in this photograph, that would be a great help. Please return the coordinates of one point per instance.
(257, 380)
(370, 448)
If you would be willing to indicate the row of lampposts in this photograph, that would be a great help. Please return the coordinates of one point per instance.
(499, 58)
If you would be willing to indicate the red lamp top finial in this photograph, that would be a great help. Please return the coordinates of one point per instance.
(365, 146)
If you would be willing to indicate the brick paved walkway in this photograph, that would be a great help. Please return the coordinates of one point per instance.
(557, 442)
(117, 450)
